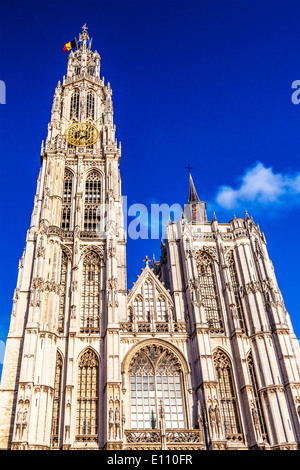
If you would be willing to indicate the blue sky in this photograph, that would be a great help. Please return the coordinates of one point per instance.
(206, 83)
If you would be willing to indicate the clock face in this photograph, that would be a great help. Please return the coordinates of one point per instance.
(81, 134)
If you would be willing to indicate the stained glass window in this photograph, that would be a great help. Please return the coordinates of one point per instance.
(156, 378)
(74, 107)
(258, 409)
(161, 311)
(148, 296)
(236, 292)
(66, 201)
(92, 201)
(228, 400)
(62, 299)
(87, 395)
(138, 308)
(90, 105)
(89, 317)
(208, 290)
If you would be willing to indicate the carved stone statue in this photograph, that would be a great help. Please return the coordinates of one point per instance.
(110, 421)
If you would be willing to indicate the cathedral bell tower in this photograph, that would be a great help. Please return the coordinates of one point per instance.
(72, 275)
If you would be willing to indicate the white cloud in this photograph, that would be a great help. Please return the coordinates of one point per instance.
(260, 185)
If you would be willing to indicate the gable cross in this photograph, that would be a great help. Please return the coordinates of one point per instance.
(146, 261)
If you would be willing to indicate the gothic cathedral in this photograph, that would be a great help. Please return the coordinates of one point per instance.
(199, 355)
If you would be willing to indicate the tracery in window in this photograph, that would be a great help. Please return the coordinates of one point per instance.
(74, 106)
(156, 378)
(92, 201)
(65, 217)
(57, 398)
(161, 310)
(87, 395)
(90, 105)
(149, 301)
(62, 299)
(89, 317)
(150, 304)
(257, 410)
(236, 291)
(138, 308)
(66, 200)
(228, 402)
(208, 290)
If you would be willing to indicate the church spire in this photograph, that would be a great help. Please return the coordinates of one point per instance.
(195, 209)
(193, 196)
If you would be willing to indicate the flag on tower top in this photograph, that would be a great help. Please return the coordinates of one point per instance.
(69, 45)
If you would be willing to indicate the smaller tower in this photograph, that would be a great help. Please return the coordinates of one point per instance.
(243, 352)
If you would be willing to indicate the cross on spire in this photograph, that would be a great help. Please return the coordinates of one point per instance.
(146, 261)
(84, 27)
(189, 168)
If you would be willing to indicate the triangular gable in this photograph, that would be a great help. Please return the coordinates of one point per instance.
(147, 273)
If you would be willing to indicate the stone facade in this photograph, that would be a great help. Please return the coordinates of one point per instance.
(200, 354)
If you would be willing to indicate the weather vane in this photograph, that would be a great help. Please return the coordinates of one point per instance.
(84, 27)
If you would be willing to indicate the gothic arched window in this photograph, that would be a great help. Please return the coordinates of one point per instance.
(57, 398)
(66, 201)
(156, 380)
(149, 300)
(228, 401)
(138, 308)
(257, 410)
(62, 298)
(89, 317)
(90, 105)
(208, 290)
(74, 106)
(92, 201)
(87, 396)
(161, 311)
(236, 291)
